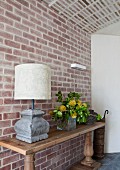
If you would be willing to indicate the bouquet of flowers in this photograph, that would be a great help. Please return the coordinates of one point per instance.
(71, 106)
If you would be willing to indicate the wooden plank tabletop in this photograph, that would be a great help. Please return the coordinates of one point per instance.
(55, 137)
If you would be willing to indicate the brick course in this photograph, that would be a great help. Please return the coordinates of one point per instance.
(30, 32)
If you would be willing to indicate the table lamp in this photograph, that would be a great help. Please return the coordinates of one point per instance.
(32, 81)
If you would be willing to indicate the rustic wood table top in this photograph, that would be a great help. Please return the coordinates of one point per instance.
(55, 137)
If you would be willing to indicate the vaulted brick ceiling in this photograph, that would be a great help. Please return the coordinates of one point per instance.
(89, 15)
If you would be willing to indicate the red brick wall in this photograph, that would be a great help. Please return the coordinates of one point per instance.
(30, 32)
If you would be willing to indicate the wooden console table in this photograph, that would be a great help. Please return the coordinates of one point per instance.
(55, 137)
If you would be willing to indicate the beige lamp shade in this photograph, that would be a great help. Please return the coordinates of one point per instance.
(32, 81)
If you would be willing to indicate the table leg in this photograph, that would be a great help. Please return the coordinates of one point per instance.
(88, 152)
(29, 162)
(87, 163)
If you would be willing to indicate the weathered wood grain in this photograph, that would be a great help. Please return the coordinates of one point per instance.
(55, 137)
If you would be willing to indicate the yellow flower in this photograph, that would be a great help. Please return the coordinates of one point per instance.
(79, 102)
(74, 115)
(84, 104)
(62, 108)
(51, 112)
(72, 102)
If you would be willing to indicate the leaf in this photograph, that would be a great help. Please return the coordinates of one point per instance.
(67, 116)
(59, 114)
(98, 117)
(59, 94)
(55, 111)
(84, 119)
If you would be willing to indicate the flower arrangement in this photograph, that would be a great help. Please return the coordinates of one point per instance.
(71, 106)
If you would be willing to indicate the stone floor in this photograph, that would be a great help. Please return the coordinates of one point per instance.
(110, 162)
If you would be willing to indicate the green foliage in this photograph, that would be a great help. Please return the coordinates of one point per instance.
(59, 94)
(71, 96)
(70, 106)
(98, 117)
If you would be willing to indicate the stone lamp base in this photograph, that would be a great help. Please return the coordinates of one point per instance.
(31, 127)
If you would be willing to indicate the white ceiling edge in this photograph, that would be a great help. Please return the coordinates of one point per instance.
(113, 29)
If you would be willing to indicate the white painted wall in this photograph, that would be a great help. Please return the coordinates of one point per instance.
(105, 60)
(113, 29)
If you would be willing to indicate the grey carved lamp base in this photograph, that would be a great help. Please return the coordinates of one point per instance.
(31, 127)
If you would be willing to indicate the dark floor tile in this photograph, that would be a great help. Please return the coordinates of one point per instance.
(110, 162)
